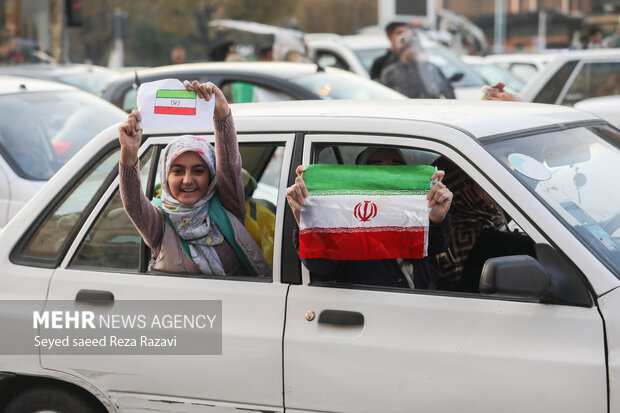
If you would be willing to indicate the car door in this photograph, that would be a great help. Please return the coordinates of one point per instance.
(105, 269)
(353, 348)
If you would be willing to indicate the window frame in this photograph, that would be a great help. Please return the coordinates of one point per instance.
(159, 141)
(17, 256)
(468, 166)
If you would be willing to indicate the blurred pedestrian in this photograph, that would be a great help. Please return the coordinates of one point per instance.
(265, 53)
(225, 52)
(597, 41)
(413, 75)
(178, 55)
(392, 30)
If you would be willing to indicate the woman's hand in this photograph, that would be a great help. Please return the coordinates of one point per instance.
(439, 199)
(130, 137)
(297, 193)
(206, 91)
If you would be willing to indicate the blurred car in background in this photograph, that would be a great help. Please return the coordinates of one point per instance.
(575, 76)
(90, 78)
(356, 53)
(244, 82)
(607, 107)
(42, 124)
(526, 66)
(493, 74)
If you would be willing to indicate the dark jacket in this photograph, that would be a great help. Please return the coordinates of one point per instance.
(381, 63)
(385, 273)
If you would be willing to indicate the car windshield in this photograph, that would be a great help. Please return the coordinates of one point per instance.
(574, 173)
(493, 74)
(40, 131)
(333, 84)
(93, 82)
(450, 65)
(446, 60)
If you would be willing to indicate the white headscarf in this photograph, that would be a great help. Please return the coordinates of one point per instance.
(192, 222)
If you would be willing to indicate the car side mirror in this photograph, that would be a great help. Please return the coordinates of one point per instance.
(515, 276)
(550, 278)
(456, 77)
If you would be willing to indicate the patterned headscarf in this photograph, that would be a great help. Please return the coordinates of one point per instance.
(471, 210)
(192, 222)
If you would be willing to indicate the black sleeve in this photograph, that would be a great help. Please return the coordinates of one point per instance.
(439, 236)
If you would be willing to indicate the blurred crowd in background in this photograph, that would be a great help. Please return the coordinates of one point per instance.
(158, 32)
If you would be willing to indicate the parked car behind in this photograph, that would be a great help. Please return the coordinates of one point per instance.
(357, 53)
(524, 65)
(42, 125)
(493, 74)
(575, 76)
(607, 107)
(541, 333)
(244, 82)
(90, 78)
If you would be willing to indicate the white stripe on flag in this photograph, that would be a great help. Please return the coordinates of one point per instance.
(339, 211)
(175, 102)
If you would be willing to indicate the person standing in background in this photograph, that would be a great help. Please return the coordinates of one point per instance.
(178, 55)
(392, 30)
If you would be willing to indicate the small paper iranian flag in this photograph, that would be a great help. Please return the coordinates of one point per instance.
(365, 212)
(175, 102)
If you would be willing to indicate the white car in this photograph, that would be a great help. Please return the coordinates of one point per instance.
(493, 74)
(542, 334)
(575, 76)
(607, 107)
(42, 124)
(357, 53)
(524, 65)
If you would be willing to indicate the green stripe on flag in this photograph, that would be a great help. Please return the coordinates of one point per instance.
(176, 94)
(368, 177)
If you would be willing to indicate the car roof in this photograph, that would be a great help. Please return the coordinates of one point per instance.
(15, 84)
(479, 119)
(53, 70)
(273, 69)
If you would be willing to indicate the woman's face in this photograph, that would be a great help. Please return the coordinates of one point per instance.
(188, 178)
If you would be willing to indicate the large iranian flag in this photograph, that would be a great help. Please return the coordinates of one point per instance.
(175, 102)
(365, 212)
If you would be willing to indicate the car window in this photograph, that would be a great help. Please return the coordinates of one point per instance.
(40, 132)
(551, 90)
(246, 92)
(594, 79)
(52, 235)
(524, 71)
(479, 231)
(338, 84)
(450, 65)
(325, 58)
(113, 242)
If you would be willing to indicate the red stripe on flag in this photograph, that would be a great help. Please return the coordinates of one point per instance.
(165, 110)
(361, 244)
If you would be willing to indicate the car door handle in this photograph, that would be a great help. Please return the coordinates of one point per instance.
(94, 297)
(339, 317)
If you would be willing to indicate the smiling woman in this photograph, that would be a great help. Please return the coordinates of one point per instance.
(197, 226)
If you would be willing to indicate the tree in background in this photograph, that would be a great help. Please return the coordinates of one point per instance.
(336, 16)
(154, 27)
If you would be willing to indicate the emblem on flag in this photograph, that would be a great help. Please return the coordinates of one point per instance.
(175, 102)
(366, 212)
(330, 229)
